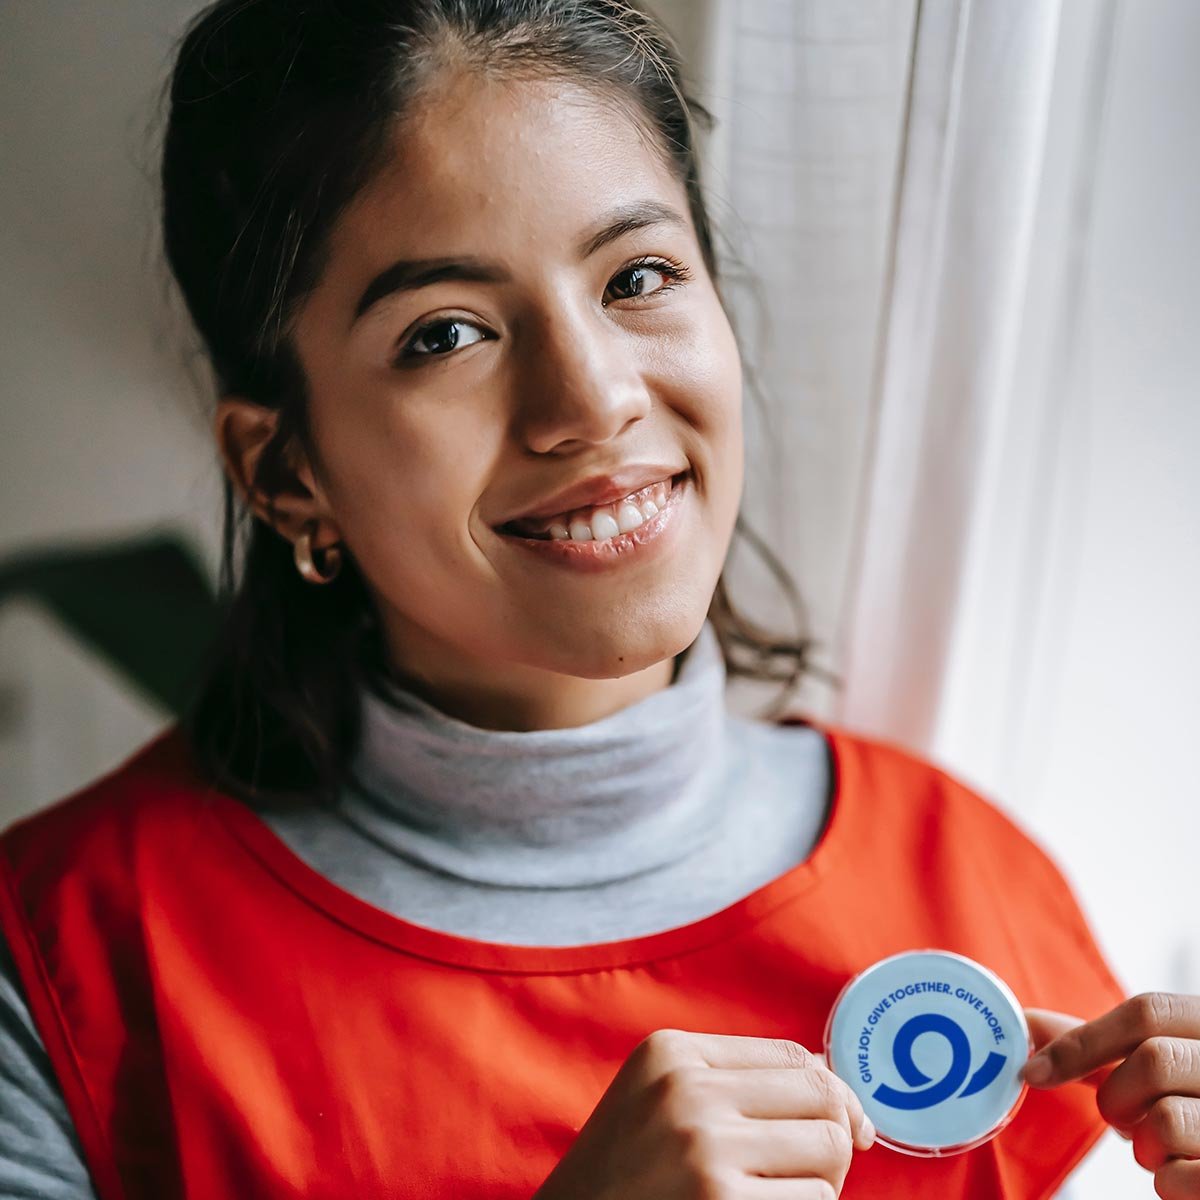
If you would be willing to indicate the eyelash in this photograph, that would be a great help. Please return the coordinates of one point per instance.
(674, 271)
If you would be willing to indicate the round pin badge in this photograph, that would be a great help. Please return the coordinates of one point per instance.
(932, 1043)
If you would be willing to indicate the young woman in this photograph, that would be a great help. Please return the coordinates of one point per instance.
(460, 879)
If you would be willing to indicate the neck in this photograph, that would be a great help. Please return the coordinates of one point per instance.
(634, 789)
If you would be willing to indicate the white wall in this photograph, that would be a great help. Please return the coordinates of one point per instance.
(102, 431)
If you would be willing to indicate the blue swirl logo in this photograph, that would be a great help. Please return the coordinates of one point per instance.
(927, 1092)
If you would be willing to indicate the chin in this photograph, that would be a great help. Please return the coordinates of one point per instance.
(614, 647)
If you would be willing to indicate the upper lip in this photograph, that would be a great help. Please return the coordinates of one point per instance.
(597, 490)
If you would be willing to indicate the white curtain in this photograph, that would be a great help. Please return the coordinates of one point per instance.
(958, 530)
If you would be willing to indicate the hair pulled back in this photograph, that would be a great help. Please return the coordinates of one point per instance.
(280, 111)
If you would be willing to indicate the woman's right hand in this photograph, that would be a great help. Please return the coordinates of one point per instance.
(705, 1116)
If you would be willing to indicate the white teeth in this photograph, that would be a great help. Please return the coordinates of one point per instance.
(603, 526)
(628, 517)
(611, 521)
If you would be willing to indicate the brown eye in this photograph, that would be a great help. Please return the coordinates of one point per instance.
(439, 338)
(637, 272)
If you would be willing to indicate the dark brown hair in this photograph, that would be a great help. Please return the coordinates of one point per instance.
(279, 112)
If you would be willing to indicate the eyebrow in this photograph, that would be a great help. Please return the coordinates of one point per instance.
(407, 275)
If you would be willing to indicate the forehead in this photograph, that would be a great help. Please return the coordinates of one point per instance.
(490, 166)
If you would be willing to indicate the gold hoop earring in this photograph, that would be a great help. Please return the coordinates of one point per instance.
(304, 558)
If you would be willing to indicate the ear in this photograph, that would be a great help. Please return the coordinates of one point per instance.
(290, 500)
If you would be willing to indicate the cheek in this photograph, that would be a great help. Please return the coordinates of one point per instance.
(717, 379)
(708, 368)
(403, 491)
(708, 363)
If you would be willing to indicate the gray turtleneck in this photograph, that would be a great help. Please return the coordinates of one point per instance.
(655, 816)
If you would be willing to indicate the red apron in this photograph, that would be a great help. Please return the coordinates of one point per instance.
(225, 1022)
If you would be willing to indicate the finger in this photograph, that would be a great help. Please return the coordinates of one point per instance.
(1159, 1067)
(1045, 1026)
(730, 1050)
(1170, 1129)
(1080, 1051)
(800, 1094)
(1178, 1180)
(674, 1049)
(793, 1149)
(752, 1187)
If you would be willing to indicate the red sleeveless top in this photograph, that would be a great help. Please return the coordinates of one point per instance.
(224, 1021)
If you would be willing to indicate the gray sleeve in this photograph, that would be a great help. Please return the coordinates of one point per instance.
(40, 1156)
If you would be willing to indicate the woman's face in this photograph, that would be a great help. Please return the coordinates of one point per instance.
(441, 411)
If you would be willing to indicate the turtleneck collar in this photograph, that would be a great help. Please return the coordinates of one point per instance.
(591, 804)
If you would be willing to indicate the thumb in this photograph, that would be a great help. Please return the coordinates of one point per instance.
(1045, 1025)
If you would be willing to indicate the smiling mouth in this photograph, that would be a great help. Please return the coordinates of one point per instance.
(605, 521)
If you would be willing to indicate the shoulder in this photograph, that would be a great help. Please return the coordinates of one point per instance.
(940, 838)
(99, 828)
(947, 821)
(82, 885)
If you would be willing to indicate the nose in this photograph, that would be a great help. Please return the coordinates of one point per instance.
(581, 382)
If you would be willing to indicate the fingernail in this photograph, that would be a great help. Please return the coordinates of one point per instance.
(868, 1130)
(1038, 1069)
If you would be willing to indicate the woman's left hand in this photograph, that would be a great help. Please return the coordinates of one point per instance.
(1152, 1096)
